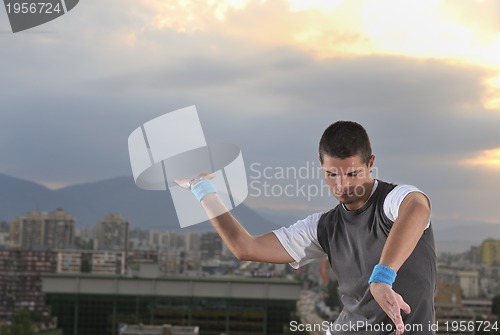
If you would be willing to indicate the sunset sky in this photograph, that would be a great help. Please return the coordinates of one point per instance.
(423, 77)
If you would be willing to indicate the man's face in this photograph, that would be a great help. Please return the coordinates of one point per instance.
(349, 179)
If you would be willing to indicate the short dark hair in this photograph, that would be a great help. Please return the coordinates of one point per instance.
(344, 139)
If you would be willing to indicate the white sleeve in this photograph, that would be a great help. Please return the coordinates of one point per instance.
(396, 197)
(300, 240)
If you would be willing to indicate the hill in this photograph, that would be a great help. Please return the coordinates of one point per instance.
(89, 203)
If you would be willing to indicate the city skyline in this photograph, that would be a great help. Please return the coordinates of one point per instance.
(268, 76)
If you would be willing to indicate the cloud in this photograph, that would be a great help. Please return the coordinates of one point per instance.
(489, 158)
(263, 76)
(430, 29)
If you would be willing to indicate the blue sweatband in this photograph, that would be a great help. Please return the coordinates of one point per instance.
(202, 188)
(382, 274)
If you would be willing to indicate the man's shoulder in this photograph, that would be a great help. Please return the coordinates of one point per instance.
(386, 184)
(327, 217)
(393, 185)
(402, 188)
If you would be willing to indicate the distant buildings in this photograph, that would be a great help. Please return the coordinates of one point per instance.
(98, 262)
(69, 261)
(109, 262)
(43, 243)
(4, 233)
(112, 233)
(210, 246)
(490, 252)
(21, 281)
(123, 276)
(466, 281)
(193, 241)
(52, 230)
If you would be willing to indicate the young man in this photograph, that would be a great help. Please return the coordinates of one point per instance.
(378, 239)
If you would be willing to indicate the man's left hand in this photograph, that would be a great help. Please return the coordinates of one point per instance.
(391, 303)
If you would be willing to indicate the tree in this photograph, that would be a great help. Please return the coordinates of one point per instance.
(21, 324)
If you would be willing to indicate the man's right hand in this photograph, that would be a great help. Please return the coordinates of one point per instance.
(187, 183)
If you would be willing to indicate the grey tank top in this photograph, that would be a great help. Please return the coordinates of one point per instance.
(353, 241)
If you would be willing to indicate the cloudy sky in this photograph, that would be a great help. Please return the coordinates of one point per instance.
(423, 77)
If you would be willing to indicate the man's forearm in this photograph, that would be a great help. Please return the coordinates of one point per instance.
(234, 235)
(244, 246)
(407, 230)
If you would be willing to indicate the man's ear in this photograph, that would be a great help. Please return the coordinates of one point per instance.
(371, 162)
(320, 159)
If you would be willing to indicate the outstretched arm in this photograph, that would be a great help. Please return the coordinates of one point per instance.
(244, 246)
(407, 230)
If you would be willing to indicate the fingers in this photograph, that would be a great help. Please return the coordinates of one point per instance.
(394, 313)
(397, 306)
(391, 303)
(398, 322)
(402, 304)
(186, 182)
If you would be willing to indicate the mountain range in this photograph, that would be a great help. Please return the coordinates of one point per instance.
(89, 203)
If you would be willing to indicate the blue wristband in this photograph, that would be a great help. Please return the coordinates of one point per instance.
(202, 188)
(382, 274)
